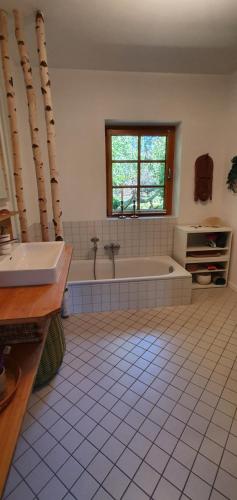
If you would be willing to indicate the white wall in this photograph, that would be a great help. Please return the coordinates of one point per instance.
(83, 100)
(229, 200)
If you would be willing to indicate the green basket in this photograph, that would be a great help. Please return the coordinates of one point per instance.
(53, 352)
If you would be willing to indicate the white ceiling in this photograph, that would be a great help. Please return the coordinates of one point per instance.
(191, 36)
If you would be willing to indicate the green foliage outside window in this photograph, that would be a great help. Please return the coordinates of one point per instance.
(137, 159)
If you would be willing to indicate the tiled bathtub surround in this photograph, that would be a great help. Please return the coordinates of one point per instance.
(143, 407)
(133, 295)
(137, 237)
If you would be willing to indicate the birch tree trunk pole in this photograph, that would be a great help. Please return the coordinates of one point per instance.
(4, 169)
(33, 121)
(50, 125)
(12, 115)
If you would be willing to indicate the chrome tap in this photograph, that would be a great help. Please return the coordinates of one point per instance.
(95, 240)
(113, 248)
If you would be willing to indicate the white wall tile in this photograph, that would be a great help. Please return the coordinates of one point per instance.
(131, 295)
(142, 237)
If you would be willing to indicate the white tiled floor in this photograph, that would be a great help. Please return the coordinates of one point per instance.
(144, 406)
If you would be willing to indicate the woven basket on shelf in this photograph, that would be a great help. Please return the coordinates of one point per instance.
(53, 352)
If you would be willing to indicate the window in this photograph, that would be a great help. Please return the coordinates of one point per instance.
(139, 170)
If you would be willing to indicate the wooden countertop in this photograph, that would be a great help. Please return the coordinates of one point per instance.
(18, 305)
(32, 303)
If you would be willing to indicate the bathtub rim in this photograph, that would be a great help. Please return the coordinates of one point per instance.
(179, 272)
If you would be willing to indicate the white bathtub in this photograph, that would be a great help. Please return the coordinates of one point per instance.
(128, 269)
(139, 282)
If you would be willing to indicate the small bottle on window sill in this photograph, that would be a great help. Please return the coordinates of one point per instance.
(134, 215)
(122, 215)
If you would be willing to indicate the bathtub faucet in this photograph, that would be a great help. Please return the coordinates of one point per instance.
(95, 240)
(113, 248)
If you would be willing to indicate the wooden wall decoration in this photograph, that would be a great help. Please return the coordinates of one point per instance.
(33, 122)
(50, 125)
(12, 114)
(203, 178)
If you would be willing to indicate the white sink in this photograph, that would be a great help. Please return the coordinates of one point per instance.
(31, 264)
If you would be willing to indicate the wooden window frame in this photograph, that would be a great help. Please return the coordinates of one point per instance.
(169, 132)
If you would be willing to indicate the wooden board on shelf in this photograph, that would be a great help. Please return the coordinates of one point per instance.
(204, 229)
(28, 358)
(4, 215)
(221, 258)
(6, 223)
(202, 271)
(205, 248)
(13, 376)
(211, 285)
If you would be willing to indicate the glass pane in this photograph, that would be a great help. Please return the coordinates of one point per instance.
(124, 147)
(152, 199)
(153, 173)
(124, 196)
(153, 147)
(124, 174)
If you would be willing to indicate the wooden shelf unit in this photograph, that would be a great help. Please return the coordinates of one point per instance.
(22, 305)
(194, 239)
(5, 221)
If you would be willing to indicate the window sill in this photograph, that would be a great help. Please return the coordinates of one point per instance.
(143, 217)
